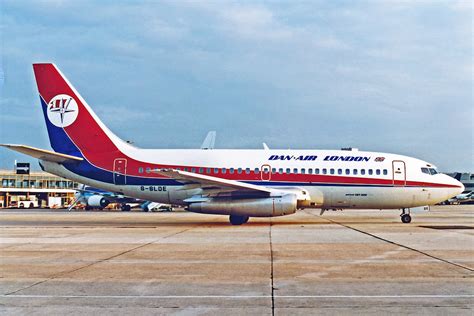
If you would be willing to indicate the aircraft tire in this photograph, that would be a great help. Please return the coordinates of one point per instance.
(126, 208)
(238, 220)
(406, 218)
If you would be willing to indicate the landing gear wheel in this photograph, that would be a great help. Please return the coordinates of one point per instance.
(406, 218)
(88, 208)
(238, 220)
(125, 207)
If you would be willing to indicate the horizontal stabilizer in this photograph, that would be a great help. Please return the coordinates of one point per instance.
(42, 154)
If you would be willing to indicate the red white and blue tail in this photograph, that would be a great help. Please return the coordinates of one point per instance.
(72, 125)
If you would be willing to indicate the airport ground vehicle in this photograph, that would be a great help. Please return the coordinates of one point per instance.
(238, 183)
(24, 202)
(156, 207)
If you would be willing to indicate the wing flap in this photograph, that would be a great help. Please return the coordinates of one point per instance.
(42, 154)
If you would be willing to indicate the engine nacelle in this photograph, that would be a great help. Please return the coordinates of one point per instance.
(97, 201)
(254, 207)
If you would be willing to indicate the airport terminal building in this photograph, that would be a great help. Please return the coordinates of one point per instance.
(34, 189)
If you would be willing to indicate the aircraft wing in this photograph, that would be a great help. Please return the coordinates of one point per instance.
(42, 154)
(212, 183)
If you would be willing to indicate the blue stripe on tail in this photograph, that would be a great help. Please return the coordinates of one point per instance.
(58, 138)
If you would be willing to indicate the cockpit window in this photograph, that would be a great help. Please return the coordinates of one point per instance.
(429, 170)
(425, 170)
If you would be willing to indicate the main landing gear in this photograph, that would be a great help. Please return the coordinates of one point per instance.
(405, 216)
(238, 219)
(125, 207)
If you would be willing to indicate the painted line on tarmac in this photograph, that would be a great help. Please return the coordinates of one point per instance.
(238, 296)
(395, 243)
(61, 274)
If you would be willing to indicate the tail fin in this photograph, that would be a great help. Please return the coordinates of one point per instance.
(73, 127)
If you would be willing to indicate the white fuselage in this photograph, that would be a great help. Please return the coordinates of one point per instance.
(332, 180)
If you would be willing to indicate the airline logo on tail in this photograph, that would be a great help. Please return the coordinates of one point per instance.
(62, 110)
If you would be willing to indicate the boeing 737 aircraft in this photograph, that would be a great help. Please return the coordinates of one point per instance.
(238, 183)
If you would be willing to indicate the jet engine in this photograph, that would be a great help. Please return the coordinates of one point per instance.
(253, 207)
(97, 201)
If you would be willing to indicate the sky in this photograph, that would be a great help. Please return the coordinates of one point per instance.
(388, 76)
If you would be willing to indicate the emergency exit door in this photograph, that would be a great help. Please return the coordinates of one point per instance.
(399, 173)
(120, 171)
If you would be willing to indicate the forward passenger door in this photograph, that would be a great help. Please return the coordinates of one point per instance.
(399, 173)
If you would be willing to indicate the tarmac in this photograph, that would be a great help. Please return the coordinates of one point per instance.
(351, 262)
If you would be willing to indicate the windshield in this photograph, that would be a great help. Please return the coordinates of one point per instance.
(430, 171)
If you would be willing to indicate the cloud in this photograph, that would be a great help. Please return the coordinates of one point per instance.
(380, 75)
(254, 23)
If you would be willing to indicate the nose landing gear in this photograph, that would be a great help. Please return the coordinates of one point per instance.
(405, 216)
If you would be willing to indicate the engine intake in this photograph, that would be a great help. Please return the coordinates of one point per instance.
(97, 201)
(253, 207)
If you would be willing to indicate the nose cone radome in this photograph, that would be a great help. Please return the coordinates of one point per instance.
(461, 188)
(456, 186)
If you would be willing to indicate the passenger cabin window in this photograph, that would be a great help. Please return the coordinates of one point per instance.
(316, 171)
(193, 170)
(310, 170)
(331, 171)
(339, 171)
(280, 171)
(295, 170)
(348, 171)
(303, 171)
(355, 171)
(325, 171)
(148, 170)
(185, 169)
(377, 172)
(385, 172)
(224, 170)
(274, 170)
(208, 170)
(256, 171)
(371, 172)
(239, 170)
(231, 170)
(288, 170)
(216, 170)
(362, 171)
(140, 170)
(247, 170)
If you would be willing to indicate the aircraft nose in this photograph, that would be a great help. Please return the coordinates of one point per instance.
(461, 187)
(458, 187)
